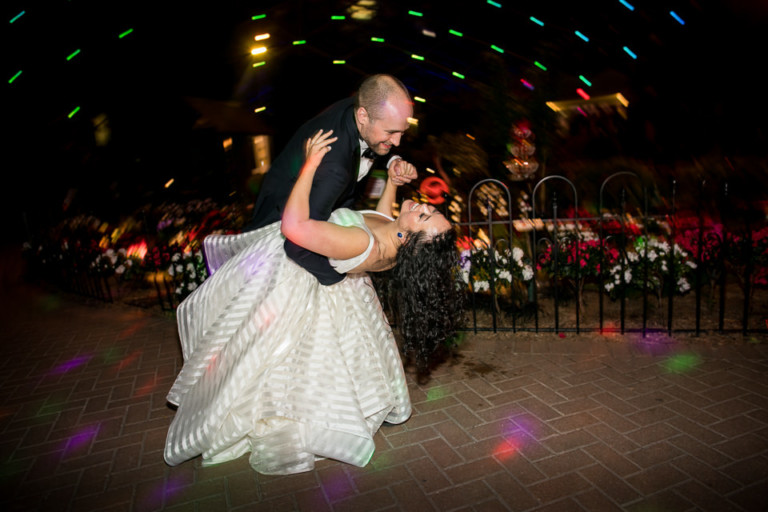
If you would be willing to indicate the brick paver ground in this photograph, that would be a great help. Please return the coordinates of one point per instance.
(518, 422)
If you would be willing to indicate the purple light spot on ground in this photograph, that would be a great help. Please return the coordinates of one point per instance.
(70, 365)
(80, 438)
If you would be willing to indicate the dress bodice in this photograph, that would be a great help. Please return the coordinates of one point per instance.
(347, 217)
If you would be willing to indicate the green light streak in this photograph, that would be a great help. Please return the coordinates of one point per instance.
(339, 62)
(17, 16)
(337, 17)
(455, 33)
(129, 31)
(540, 65)
(14, 77)
(458, 75)
(377, 39)
(494, 47)
(258, 64)
(495, 4)
(584, 79)
(300, 41)
(416, 57)
(537, 21)
(419, 99)
(415, 13)
(72, 114)
(73, 55)
(258, 17)
(260, 109)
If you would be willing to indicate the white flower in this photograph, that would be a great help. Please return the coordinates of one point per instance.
(464, 273)
(652, 255)
(609, 286)
(517, 254)
(179, 269)
(527, 273)
(632, 256)
(481, 286)
(191, 267)
(170, 271)
(176, 257)
(691, 264)
(192, 286)
(683, 285)
(504, 274)
(120, 269)
(627, 276)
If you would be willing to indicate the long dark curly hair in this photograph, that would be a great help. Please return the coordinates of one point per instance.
(424, 293)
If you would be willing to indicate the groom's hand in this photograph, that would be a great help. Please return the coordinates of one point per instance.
(401, 172)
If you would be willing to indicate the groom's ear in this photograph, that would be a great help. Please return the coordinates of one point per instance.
(362, 115)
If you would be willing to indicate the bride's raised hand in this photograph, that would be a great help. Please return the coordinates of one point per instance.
(317, 146)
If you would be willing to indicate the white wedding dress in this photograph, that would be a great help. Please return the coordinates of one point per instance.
(280, 366)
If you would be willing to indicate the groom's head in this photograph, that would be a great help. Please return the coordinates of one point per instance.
(382, 110)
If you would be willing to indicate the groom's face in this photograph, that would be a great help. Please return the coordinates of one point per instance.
(383, 133)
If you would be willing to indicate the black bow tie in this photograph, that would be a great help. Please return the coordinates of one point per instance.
(368, 153)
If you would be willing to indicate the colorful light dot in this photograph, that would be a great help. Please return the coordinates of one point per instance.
(458, 75)
(14, 77)
(582, 36)
(627, 5)
(258, 64)
(495, 4)
(416, 13)
(73, 55)
(258, 17)
(416, 57)
(72, 114)
(496, 48)
(17, 16)
(537, 21)
(582, 93)
(377, 39)
(300, 41)
(419, 99)
(677, 18)
(455, 33)
(338, 61)
(584, 79)
(540, 65)
(630, 52)
(526, 83)
(127, 32)
(338, 17)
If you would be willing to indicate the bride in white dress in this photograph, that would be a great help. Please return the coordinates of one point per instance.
(276, 364)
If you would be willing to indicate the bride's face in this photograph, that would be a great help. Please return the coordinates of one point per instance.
(421, 217)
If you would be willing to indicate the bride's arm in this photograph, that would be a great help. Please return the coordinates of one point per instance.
(400, 172)
(322, 237)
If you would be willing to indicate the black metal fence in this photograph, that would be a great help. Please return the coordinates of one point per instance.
(636, 260)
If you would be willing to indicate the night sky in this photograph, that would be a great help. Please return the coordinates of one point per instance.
(695, 84)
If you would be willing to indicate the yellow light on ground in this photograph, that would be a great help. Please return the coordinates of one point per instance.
(169, 183)
(259, 50)
(261, 37)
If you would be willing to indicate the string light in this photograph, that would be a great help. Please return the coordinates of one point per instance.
(540, 65)
(455, 33)
(494, 47)
(127, 32)
(582, 93)
(258, 64)
(72, 114)
(584, 79)
(14, 77)
(259, 109)
(261, 37)
(537, 21)
(630, 52)
(258, 17)
(299, 42)
(17, 16)
(458, 75)
(419, 99)
(339, 61)
(416, 57)
(73, 55)
(377, 39)
(337, 17)
(416, 13)
(495, 4)
(526, 83)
